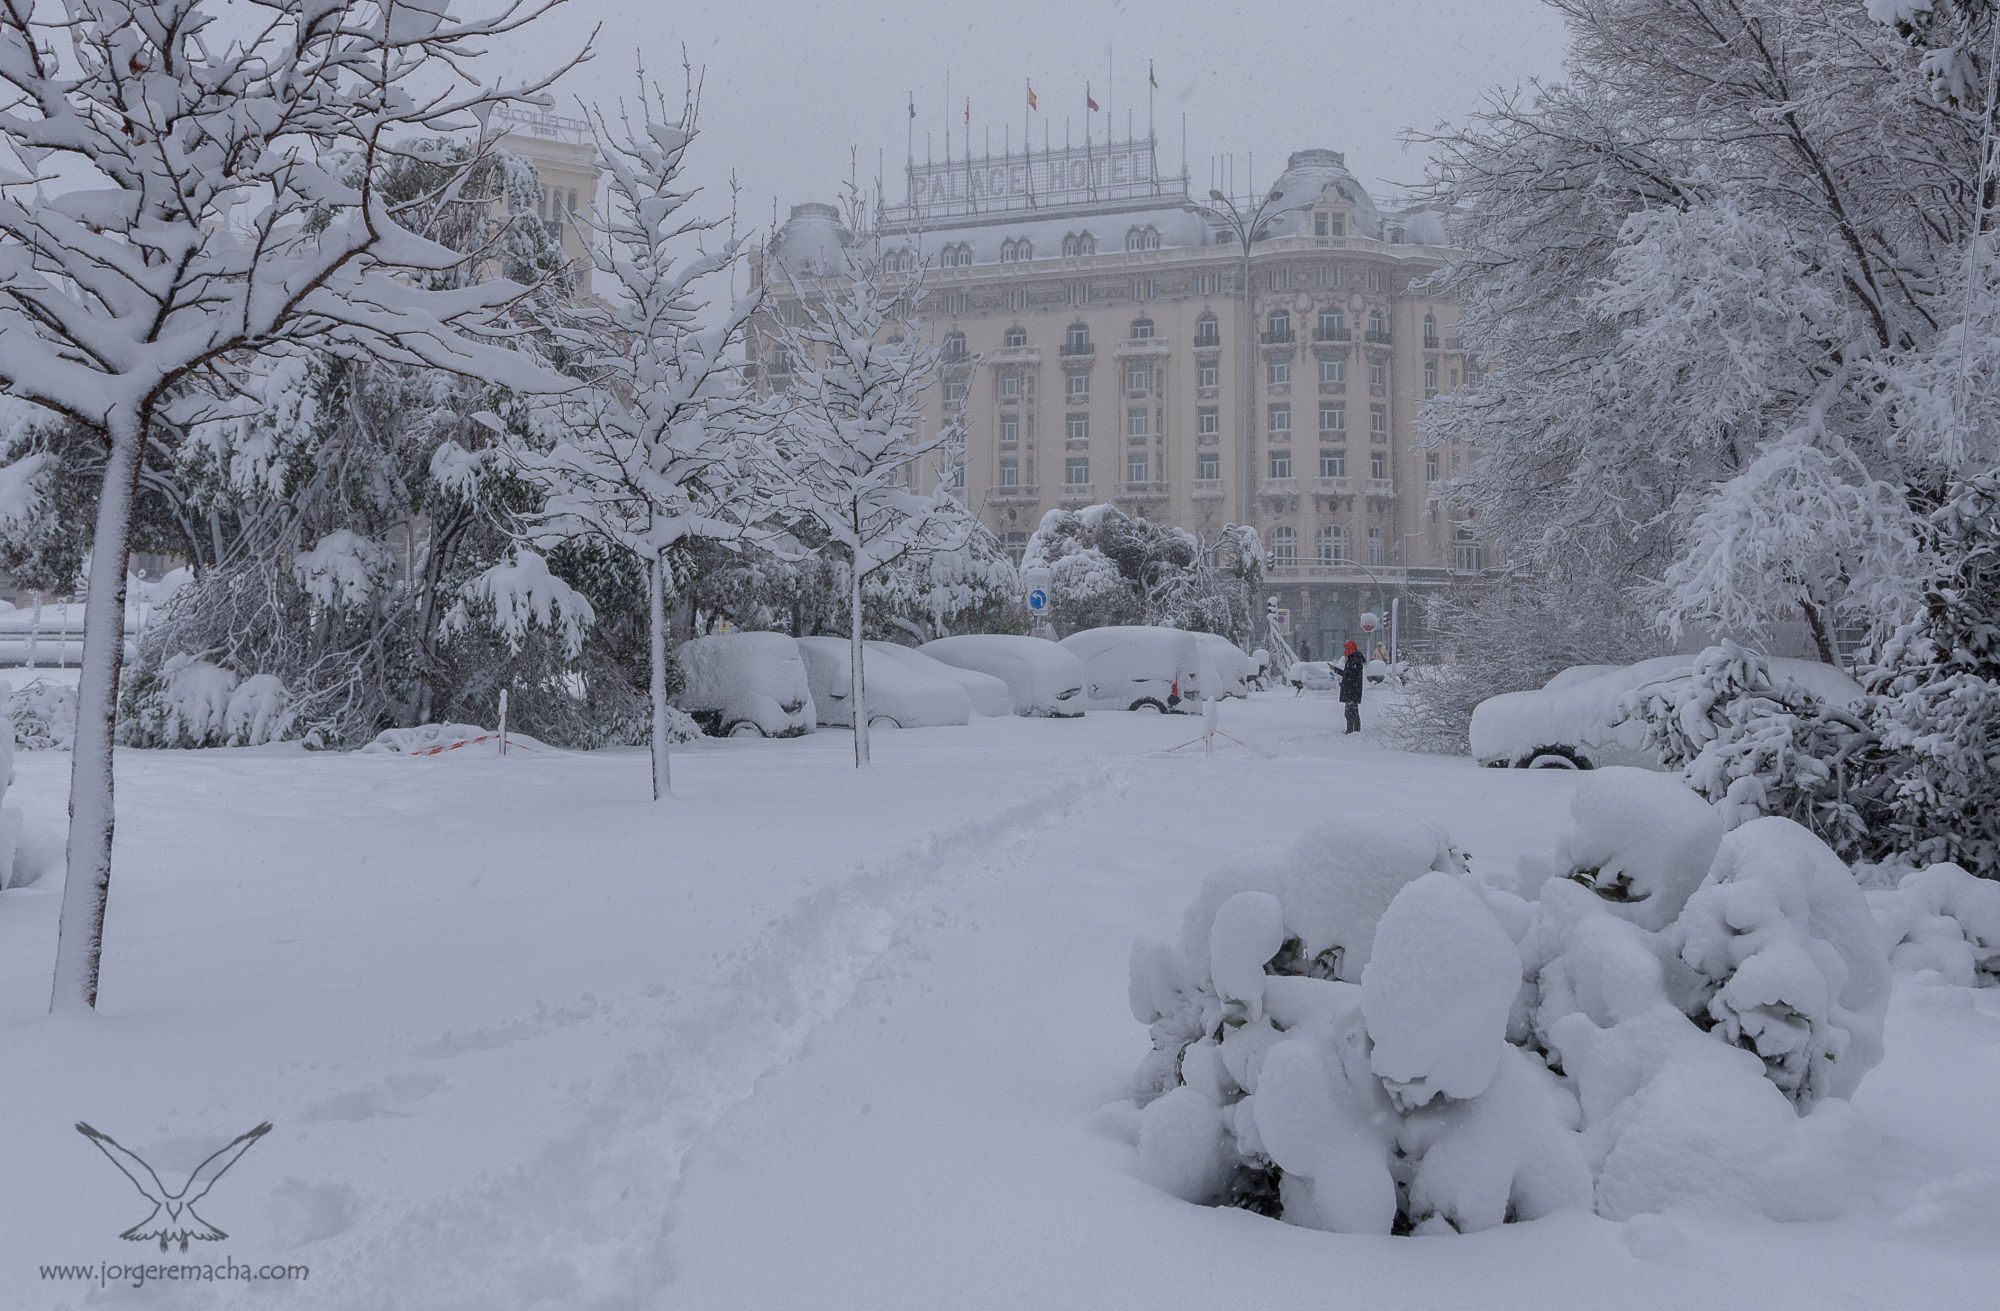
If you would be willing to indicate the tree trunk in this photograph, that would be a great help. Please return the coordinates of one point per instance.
(87, 882)
(858, 685)
(656, 625)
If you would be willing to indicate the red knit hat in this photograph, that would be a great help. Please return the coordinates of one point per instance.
(1351, 649)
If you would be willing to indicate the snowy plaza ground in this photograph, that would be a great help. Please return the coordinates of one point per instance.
(799, 1038)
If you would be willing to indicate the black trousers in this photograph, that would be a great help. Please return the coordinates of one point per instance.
(1353, 709)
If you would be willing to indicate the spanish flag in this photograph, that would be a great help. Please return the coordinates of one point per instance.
(1151, 81)
(1088, 102)
(1031, 95)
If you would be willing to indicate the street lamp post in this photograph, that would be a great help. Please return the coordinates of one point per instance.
(1247, 228)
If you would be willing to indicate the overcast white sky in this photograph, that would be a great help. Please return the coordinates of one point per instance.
(792, 84)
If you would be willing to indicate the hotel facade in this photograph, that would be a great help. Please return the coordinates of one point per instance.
(1112, 339)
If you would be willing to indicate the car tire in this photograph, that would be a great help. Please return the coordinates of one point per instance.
(881, 721)
(1555, 757)
(1147, 703)
(744, 728)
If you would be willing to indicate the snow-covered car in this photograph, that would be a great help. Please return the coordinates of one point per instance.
(1131, 667)
(1313, 676)
(1042, 680)
(906, 689)
(736, 684)
(1234, 668)
(1574, 722)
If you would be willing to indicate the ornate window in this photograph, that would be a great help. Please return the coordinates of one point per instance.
(1207, 331)
(1015, 337)
(1284, 547)
(1331, 542)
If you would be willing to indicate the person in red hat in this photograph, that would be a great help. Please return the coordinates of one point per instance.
(1352, 667)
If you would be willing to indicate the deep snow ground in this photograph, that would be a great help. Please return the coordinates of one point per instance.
(799, 1038)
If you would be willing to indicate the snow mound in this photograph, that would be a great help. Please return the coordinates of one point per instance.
(1643, 842)
(1788, 960)
(446, 739)
(1670, 1017)
(1437, 992)
(1942, 918)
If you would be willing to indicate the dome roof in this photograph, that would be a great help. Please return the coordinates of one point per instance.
(810, 242)
(1307, 174)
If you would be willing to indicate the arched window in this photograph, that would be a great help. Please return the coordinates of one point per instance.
(1430, 332)
(1332, 544)
(1207, 332)
(1015, 337)
(1332, 325)
(1278, 326)
(1077, 337)
(1146, 238)
(1430, 375)
(1142, 329)
(954, 347)
(1378, 329)
(1079, 243)
(1284, 547)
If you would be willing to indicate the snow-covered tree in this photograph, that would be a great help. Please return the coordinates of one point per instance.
(655, 451)
(1690, 266)
(219, 198)
(852, 449)
(1109, 568)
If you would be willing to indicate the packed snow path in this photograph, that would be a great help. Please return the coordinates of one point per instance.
(800, 1037)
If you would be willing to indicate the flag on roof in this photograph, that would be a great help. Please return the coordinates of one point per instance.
(1088, 102)
(1031, 95)
(913, 105)
(1151, 81)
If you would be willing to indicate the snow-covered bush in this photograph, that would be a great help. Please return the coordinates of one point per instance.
(44, 715)
(1787, 960)
(1942, 918)
(1358, 1035)
(192, 703)
(1758, 745)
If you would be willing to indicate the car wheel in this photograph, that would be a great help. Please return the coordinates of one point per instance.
(1555, 757)
(744, 728)
(882, 721)
(1147, 703)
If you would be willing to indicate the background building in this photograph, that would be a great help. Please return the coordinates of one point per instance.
(1112, 341)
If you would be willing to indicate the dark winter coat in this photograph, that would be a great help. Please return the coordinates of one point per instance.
(1351, 671)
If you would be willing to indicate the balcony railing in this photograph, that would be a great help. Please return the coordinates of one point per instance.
(1376, 338)
(1342, 486)
(1011, 492)
(1430, 343)
(1142, 491)
(1077, 492)
(1381, 487)
(1212, 342)
(1277, 337)
(1332, 334)
(1278, 487)
(1074, 348)
(1207, 489)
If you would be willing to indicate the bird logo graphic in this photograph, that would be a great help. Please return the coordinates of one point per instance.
(173, 1218)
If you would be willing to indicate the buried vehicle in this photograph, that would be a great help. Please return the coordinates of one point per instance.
(1234, 670)
(1042, 680)
(1574, 721)
(1133, 667)
(737, 684)
(906, 689)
